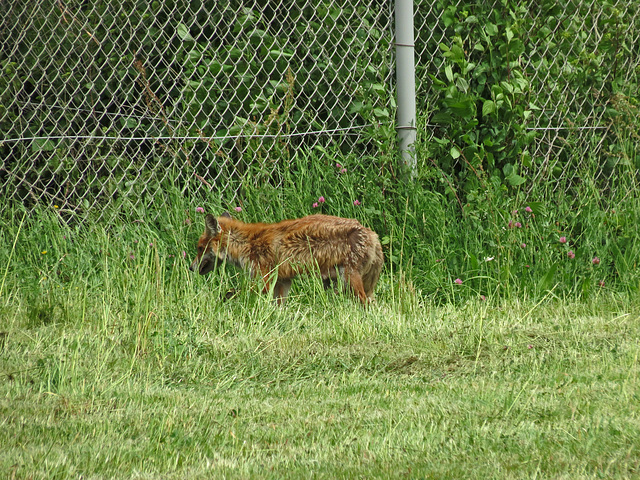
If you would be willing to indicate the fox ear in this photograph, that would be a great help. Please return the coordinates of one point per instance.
(211, 225)
(226, 215)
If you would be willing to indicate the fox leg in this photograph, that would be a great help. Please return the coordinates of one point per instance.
(333, 278)
(281, 290)
(370, 278)
(266, 281)
(327, 283)
(354, 280)
(281, 287)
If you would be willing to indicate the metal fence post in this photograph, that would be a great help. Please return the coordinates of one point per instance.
(406, 83)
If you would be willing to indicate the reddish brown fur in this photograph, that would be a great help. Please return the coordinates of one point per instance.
(328, 245)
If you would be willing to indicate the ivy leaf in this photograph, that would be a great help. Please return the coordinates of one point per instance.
(442, 117)
(491, 29)
(509, 35)
(515, 180)
(183, 33)
(488, 107)
(449, 73)
(42, 144)
(381, 112)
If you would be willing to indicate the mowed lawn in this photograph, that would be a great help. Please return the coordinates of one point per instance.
(143, 375)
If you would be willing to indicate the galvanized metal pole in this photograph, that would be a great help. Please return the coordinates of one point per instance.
(406, 83)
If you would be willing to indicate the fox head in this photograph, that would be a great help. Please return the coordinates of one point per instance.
(208, 246)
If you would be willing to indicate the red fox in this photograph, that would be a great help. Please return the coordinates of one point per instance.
(330, 246)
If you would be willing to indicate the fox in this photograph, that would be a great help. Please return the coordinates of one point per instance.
(331, 247)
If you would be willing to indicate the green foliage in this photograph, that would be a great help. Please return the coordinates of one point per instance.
(483, 97)
(502, 69)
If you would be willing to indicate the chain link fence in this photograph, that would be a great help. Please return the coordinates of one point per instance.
(572, 65)
(105, 101)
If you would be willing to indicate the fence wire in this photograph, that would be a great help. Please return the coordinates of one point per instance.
(104, 101)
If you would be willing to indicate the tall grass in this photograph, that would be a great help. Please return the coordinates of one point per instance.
(116, 361)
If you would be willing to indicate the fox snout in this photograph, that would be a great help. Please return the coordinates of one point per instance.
(194, 266)
(203, 265)
(206, 260)
(198, 266)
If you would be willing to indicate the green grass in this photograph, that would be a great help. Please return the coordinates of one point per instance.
(117, 362)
